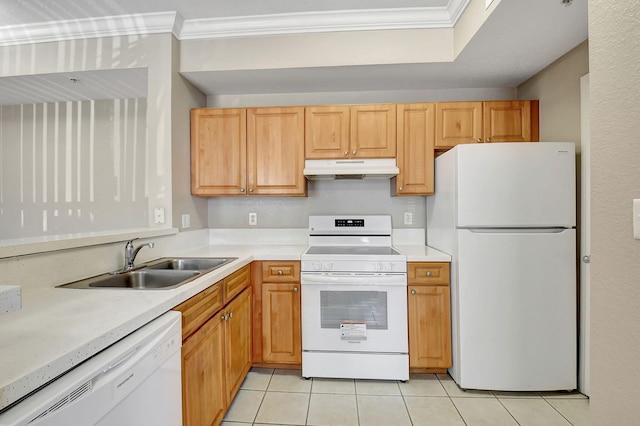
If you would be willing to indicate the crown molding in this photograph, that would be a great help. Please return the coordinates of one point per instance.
(150, 23)
(237, 26)
(314, 22)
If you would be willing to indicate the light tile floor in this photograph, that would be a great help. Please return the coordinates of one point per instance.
(283, 397)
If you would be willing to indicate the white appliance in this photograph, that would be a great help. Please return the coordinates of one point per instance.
(136, 381)
(354, 300)
(505, 212)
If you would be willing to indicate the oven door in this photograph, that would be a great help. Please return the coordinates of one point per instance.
(354, 312)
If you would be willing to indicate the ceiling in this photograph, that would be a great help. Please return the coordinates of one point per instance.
(520, 38)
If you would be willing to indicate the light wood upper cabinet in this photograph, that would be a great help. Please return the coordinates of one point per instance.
(485, 122)
(458, 122)
(429, 312)
(510, 121)
(218, 151)
(327, 131)
(373, 131)
(416, 130)
(356, 131)
(275, 151)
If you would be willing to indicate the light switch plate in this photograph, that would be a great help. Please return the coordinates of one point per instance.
(253, 219)
(636, 219)
(159, 215)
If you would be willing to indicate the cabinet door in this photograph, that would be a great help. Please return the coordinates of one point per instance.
(458, 122)
(237, 327)
(218, 151)
(275, 151)
(509, 121)
(326, 132)
(429, 327)
(416, 133)
(373, 131)
(281, 323)
(203, 392)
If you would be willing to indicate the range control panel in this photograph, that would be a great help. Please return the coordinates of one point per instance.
(349, 222)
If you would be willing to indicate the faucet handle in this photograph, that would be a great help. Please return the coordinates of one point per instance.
(130, 242)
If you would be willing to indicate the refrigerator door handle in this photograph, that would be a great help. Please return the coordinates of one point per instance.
(556, 230)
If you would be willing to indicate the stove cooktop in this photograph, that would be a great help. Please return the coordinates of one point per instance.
(353, 250)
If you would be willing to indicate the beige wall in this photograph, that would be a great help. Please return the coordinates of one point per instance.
(184, 96)
(614, 58)
(558, 89)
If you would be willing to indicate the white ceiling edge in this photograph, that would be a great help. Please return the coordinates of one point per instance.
(106, 26)
(258, 25)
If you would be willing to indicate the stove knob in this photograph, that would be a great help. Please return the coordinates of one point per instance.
(391, 266)
(380, 266)
(328, 266)
(317, 266)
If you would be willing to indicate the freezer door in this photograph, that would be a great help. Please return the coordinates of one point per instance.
(516, 185)
(516, 302)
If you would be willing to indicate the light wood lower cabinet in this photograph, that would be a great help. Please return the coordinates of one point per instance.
(204, 399)
(216, 349)
(429, 310)
(277, 337)
(237, 339)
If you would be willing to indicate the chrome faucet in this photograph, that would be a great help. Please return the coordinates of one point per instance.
(130, 254)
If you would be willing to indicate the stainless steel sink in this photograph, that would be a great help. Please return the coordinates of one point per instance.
(139, 279)
(161, 274)
(190, 263)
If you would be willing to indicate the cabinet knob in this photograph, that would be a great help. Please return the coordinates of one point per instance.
(400, 189)
(295, 289)
(489, 140)
(479, 140)
(224, 318)
(346, 153)
(279, 271)
(250, 189)
(230, 315)
(354, 152)
(241, 189)
(429, 273)
(413, 292)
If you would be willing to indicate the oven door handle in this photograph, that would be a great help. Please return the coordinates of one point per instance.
(350, 279)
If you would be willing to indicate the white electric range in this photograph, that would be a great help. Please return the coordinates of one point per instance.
(354, 300)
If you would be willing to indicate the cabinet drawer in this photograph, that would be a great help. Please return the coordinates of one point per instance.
(432, 273)
(197, 310)
(236, 282)
(281, 272)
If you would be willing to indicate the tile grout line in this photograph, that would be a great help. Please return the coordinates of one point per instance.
(255, 417)
(451, 400)
(503, 406)
(558, 411)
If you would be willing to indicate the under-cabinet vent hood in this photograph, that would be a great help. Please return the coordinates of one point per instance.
(351, 169)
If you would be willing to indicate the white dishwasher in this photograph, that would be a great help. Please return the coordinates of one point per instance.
(135, 381)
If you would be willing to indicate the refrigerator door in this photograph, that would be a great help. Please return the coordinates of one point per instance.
(515, 185)
(515, 295)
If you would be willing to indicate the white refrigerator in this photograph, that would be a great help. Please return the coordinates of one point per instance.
(505, 212)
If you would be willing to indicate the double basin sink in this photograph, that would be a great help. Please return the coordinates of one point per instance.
(161, 274)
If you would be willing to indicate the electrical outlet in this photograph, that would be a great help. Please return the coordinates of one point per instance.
(253, 219)
(186, 220)
(408, 218)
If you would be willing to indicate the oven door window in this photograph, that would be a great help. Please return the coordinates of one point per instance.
(369, 307)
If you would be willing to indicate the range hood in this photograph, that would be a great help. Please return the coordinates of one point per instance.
(351, 169)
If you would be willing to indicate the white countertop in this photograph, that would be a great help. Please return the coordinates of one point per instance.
(58, 328)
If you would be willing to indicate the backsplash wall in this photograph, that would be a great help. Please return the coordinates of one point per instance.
(370, 196)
